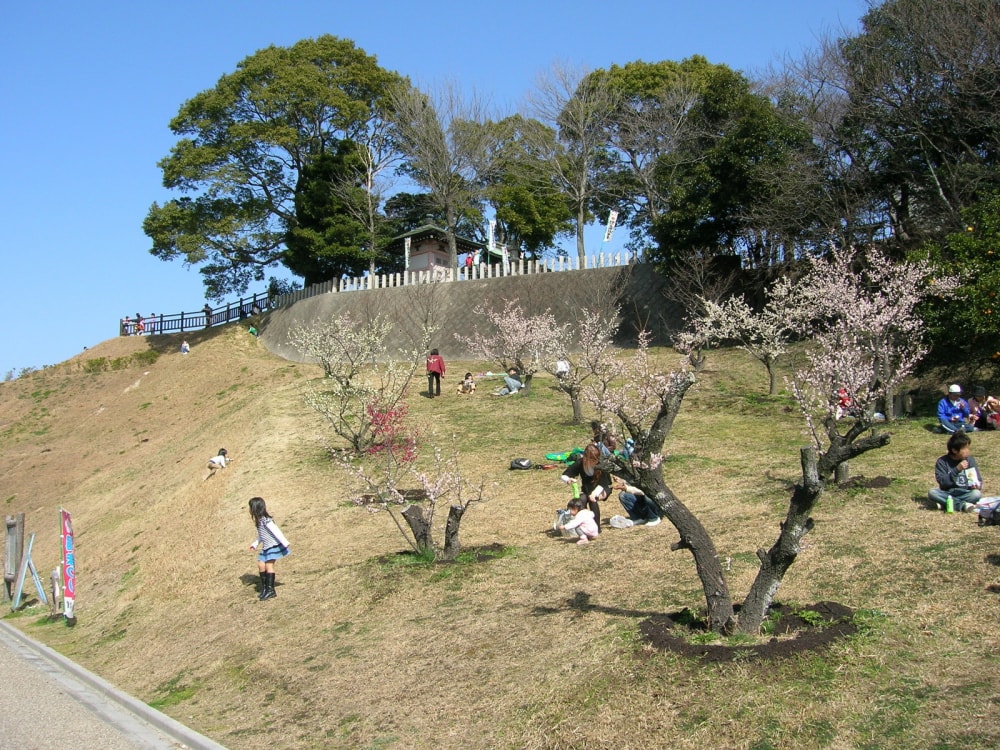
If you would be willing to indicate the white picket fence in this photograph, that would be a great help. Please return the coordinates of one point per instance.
(446, 275)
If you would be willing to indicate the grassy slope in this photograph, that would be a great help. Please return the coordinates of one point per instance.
(534, 650)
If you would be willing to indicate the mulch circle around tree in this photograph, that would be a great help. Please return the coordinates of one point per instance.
(831, 622)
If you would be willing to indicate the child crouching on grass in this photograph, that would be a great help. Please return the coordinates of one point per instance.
(581, 524)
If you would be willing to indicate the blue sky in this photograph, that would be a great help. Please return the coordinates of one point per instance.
(89, 88)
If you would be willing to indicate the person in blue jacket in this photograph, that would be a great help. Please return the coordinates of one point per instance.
(953, 411)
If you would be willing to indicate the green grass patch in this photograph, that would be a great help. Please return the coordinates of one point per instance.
(174, 692)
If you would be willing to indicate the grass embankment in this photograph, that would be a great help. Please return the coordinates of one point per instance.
(537, 648)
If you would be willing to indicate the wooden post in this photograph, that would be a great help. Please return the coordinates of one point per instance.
(14, 548)
(56, 594)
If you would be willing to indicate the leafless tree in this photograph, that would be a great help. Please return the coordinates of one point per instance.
(701, 276)
(445, 137)
(361, 191)
(578, 108)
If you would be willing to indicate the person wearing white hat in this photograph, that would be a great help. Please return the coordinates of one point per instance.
(953, 411)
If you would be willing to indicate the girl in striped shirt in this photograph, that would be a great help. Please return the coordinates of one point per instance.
(272, 543)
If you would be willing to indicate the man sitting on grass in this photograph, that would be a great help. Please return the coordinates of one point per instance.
(512, 383)
(639, 509)
(953, 411)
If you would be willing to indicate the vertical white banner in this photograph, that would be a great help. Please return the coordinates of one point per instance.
(612, 220)
(406, 254)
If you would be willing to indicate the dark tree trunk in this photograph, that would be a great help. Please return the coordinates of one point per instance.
(695, 538)
(815, 472)
(452, 545)
(775, 562)
(416, 519)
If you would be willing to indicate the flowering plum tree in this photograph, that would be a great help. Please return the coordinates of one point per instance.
(381, 475)
(865, 306)
(863, 340)
(362, 394)
(516, 340)
(765, 334)
(587, 353)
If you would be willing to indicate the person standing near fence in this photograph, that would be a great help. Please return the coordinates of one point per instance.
(435, 371)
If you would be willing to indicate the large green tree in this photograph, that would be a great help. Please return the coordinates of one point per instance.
(530, 212)
(716, 181)
(650, 130)
(323, 243)
(921, 120)
(965, 328)
(253, 152)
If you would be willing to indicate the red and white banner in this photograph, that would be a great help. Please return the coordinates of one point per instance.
(610, 230)
(68, 562)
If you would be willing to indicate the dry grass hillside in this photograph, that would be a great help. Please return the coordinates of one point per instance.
(538, 647)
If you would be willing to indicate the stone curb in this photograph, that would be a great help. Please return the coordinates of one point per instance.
(176, 731)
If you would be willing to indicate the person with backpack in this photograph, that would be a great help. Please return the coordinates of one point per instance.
(957, 474)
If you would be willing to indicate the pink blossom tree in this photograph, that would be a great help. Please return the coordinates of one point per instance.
(365, 386)
(861, 340)
(514, 339)
(583, 353)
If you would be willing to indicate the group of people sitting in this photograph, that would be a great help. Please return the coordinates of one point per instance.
(591, 484)
(981, 412)
(436, 368)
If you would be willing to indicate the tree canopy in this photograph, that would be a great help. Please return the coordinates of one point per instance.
(253, 153)
(888, 135)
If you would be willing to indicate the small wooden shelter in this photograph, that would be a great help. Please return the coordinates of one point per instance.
(429, 248)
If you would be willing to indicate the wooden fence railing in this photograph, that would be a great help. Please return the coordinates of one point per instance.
(207, 317)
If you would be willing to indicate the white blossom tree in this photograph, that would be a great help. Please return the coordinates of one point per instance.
(860, 340)
(586, 348)
(515, 339)
(765, 334)
(364, 386)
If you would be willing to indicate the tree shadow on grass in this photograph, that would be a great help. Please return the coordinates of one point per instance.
(811, 628)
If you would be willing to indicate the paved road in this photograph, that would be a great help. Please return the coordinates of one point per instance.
(49, 703)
